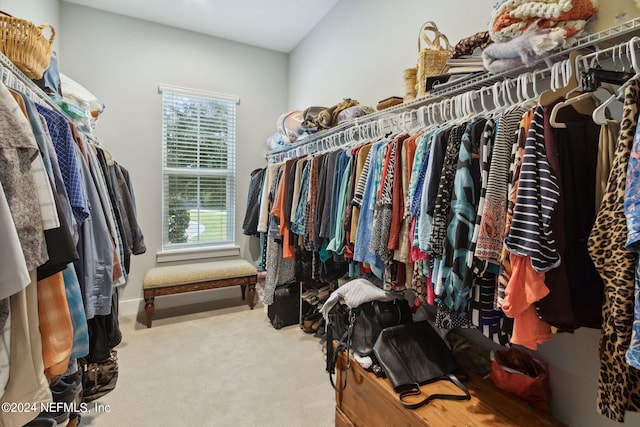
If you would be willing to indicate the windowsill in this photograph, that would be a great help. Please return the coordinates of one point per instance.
(197, 253)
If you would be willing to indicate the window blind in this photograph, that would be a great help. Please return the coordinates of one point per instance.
(198, 168)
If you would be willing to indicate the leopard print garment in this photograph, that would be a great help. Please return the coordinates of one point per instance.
(618, 383)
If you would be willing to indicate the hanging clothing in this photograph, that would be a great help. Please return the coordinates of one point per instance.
(530, 233)
(27, 382)
(579, 153)
(631, 206)
(361, 250)
(618, 383)
(606, 153)
(492, 225)
(442, 206)
(556, 308)
(454, 288)
(17, 151)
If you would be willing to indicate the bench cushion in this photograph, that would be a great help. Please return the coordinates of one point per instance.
(158, 277)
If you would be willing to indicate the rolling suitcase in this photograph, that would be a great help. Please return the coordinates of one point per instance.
(285, 310)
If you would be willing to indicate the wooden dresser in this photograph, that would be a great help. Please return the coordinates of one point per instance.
(370, 401)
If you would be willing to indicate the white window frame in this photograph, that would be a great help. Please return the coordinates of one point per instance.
(200, 249)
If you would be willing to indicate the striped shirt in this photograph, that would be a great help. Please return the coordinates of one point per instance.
(494, 211)
(538, 192)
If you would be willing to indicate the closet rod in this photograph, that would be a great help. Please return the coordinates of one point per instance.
(32, 90)
(432, 114)
(302, 146)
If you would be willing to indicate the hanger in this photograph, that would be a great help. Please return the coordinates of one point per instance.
(549, 97)
(599, 115)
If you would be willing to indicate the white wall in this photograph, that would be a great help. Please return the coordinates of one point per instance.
(359, 50)
(361, 47)
(122, 61)
(36, 11)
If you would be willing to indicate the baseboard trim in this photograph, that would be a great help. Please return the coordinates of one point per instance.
(136, 305)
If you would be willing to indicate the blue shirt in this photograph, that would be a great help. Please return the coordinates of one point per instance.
(64, 145)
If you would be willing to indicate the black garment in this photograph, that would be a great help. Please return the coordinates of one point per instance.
(320, 196)
(438, 152)
(330, 176)
(104, 333)
(556, 308)
(123, 228)
(579, 153)
(252, 214)
(126, 188)
(60, 246)
(576, 289)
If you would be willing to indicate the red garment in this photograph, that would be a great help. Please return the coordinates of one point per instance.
(397, 206)
(278, 212)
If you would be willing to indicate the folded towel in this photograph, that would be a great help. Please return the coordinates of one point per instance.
(510, 18)
(523, 50)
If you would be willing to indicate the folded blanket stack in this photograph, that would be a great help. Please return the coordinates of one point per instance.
(523, 30)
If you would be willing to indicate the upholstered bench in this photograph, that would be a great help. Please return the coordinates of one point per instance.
(178, 279)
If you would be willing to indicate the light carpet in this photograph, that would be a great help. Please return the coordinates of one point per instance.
(220, 364)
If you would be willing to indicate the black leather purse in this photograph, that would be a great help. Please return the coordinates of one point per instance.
(372, 317)
(357, 329)
(415, 354)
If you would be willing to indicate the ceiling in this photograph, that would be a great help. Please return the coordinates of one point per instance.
(273, 24)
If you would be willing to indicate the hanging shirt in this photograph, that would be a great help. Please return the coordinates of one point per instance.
(632, 213)
(64, 144)
(445, 188)
(606, 150)
(525, 287)
(362, 171)
(486, 148)
(530, 233)
(490, 238)
(337, 242)
(454, 290)
(361, 251)
(616, 265)
(18, 149)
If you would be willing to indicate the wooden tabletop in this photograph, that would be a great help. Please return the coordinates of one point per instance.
(370, 401)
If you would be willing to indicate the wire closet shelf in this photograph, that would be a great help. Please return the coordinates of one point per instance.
(449, 99)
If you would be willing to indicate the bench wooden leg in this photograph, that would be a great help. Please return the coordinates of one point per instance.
(252, 295)
(243, 289)
(149, 306)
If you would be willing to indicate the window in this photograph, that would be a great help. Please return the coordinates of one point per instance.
(198, 168)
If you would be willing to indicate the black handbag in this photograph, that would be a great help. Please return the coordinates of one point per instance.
(415, 354)
(357, 329)
(372, 317)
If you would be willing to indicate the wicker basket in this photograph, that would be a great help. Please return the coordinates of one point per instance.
(409, 78)
(433, 54)
(24, 44)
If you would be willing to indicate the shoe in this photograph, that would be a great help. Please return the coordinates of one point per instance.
(323, 293)
(311, 326)
(100, 378)
(309, 295)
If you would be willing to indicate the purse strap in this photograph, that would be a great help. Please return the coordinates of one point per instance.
(344, 344)
(434, 43)
(415, 391)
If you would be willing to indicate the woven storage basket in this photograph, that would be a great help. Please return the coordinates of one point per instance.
(24, 44)
(433, 54)
(409, 78)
